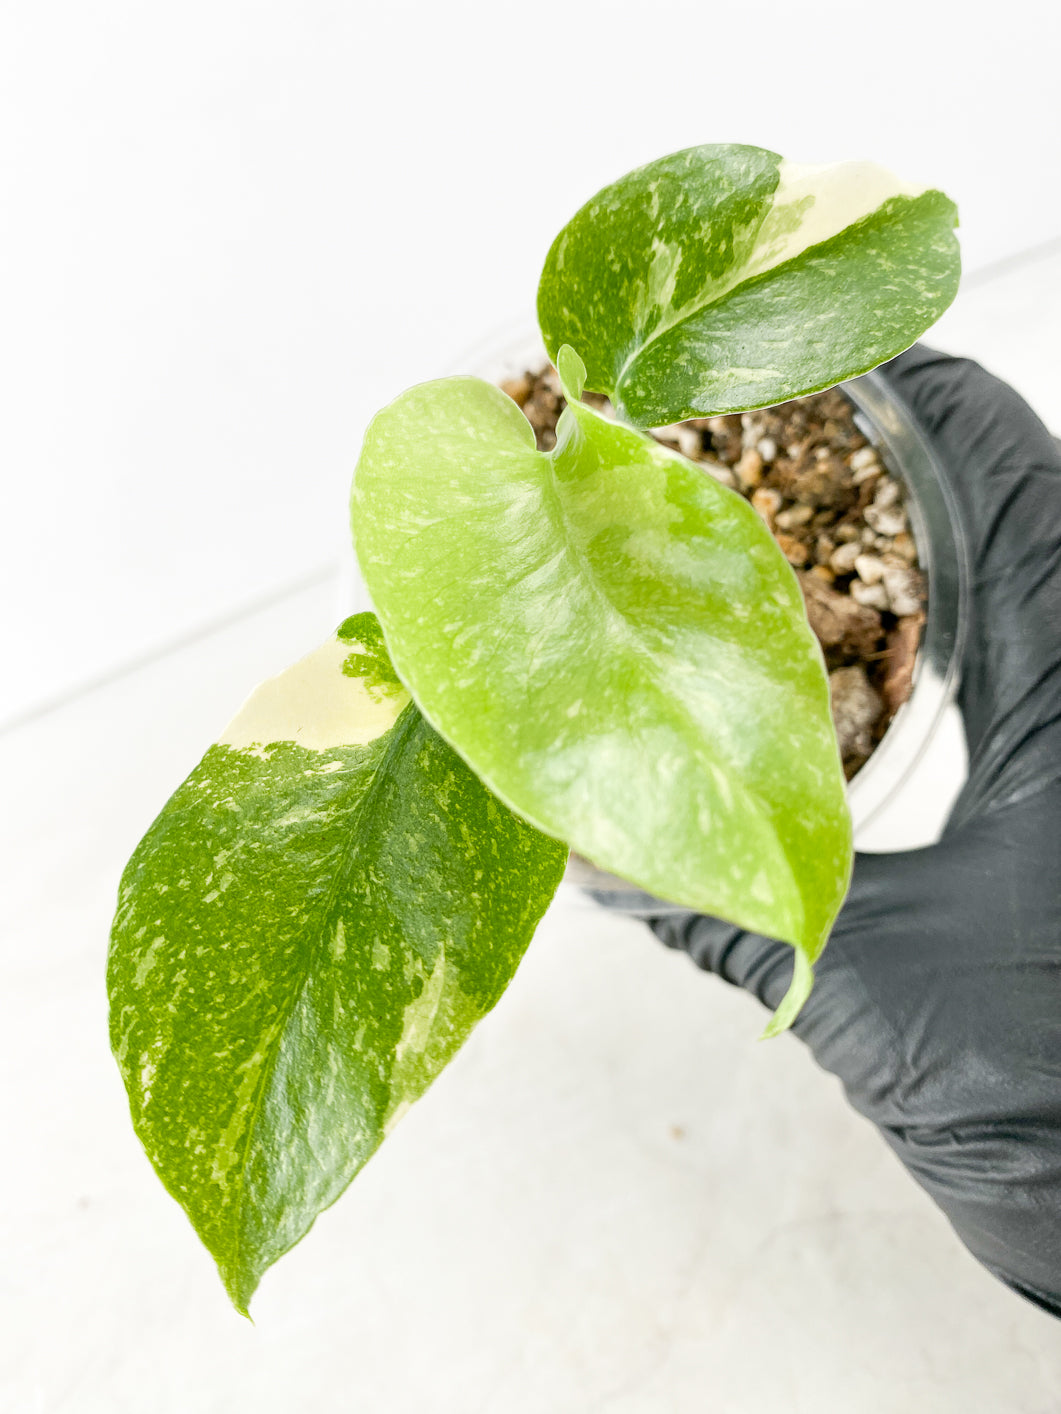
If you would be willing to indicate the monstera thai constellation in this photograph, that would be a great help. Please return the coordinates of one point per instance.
(595, 648)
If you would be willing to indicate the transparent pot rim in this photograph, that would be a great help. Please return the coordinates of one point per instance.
(885, 419)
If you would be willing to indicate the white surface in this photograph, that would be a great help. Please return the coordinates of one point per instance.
(233, 230)
(1007, 318)
(613, 1200)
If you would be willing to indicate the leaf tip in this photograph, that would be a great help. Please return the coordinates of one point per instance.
(792, 1002)
(240, 1286)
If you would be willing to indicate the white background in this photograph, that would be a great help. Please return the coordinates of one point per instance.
(228, 234)
(232, 231)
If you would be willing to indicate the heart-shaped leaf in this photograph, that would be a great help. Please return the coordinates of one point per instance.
(304, 937)
(722, 278)
(615, 644)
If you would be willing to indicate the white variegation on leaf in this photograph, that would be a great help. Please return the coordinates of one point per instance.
(616, 645)
(722, 278)
(304, 937)
(314, 704)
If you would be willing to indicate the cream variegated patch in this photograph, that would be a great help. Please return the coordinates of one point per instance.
(814, 202)
(315, 705)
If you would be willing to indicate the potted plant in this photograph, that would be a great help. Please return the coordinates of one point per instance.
(595, 648)
(854, 495)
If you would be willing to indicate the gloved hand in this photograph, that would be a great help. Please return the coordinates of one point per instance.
(938, 999)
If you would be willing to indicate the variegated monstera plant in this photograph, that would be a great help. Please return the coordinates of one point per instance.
(596, 648)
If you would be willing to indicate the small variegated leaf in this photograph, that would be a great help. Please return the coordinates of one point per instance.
(616, 645)
(304, 937)
(722, 278)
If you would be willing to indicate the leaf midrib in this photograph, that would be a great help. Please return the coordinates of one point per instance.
(642, 650)
(397, 734)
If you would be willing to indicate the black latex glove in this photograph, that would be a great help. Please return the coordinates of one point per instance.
(938, 999)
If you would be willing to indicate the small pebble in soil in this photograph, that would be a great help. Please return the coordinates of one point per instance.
(767, 500)
(794, 517)
(869, 569)
(857, 709)
(749, 469)
(862, 460)
(870, 596)
(887, 521)
(845, 556)
(903, 584)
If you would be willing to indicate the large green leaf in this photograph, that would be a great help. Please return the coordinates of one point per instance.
(305, 936)
(722, 278)
(615, 644)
